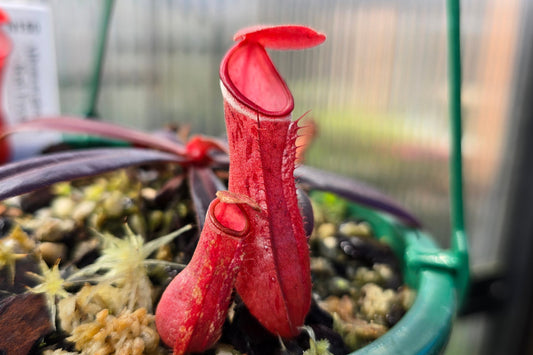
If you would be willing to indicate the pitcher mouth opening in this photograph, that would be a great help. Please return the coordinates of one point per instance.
(229, 218)
(251, 77)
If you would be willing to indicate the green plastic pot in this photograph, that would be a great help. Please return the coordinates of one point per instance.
(435, 275)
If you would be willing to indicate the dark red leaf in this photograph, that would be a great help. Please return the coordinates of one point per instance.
(203, 186)
(354, 191)
(32, 174)
(102, 129)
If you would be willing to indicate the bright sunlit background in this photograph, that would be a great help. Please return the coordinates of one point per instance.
(377, 90)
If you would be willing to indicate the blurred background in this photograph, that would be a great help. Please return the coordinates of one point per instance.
(377, 91)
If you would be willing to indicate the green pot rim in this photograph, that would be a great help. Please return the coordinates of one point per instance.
(432, 272)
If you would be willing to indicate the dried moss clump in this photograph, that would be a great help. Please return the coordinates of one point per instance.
(99, 323)
(128, 333)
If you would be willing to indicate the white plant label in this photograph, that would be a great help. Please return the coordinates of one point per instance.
(30, 85)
